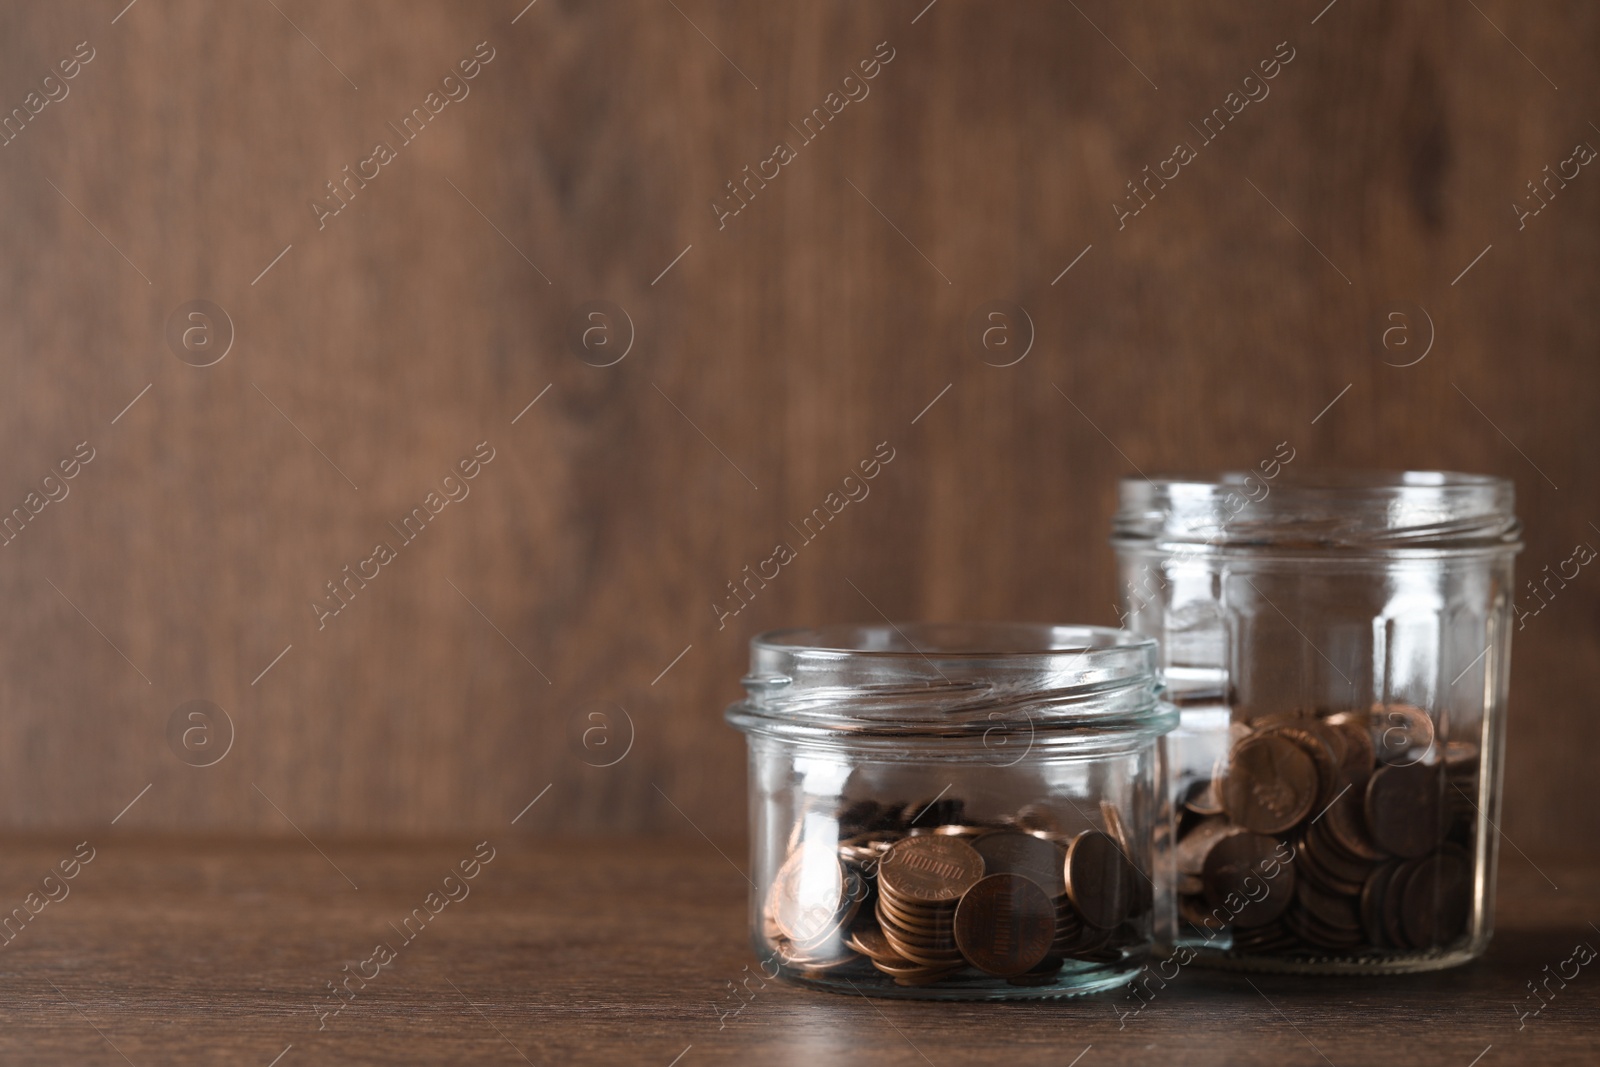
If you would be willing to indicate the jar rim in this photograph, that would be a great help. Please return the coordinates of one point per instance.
(947, 639)
(1327, 509)
(950, 680)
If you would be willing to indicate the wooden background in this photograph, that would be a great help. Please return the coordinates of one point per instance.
(769, 359)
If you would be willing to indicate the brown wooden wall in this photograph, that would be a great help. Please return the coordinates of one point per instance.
(772, 350)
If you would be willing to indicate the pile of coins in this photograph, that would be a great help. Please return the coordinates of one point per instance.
(1346, 833)
(924, 904)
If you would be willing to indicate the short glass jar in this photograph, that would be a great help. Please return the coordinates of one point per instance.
(1338, 648)
(953, 811)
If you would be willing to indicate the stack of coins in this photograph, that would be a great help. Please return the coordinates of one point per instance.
(924, 904)
(921, 880)
(1331, 834)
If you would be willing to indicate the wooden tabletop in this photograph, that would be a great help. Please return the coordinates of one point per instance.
(627, 952)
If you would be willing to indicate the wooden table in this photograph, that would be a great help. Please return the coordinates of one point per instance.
(623, 953)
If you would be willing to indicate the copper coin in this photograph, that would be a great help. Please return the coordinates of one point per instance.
(908, 969)
(1097, 879)
(927, 925)
(1360, 751)
(1311, 929)
(1393, 899)
(915, 917)
(1437, 900)
(1009, 852)
(1403, 808)
(1307, 868)
(934, 869)
(1402, 733)
(1313, 741)
(969, 833)
(926, 957)
(1271, 784)
(872, 944)
(919, 976)
(1235, 876)
(1044, 974)
(1005, 924)
(929, 941)
(806, 894)
(1345, 822)
(830, 937)
(1344, 873)
(1372, 898)
(1115, 828)
(1192, 848)
(1337, 911)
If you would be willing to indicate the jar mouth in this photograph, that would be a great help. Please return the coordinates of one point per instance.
(956, 640)
(1320, 509)
(921, 679)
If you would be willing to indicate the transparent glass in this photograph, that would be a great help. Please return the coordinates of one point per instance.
(1338, 648)
(953, 811)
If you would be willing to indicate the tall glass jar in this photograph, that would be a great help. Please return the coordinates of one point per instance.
(1338, 648)
(953, 811)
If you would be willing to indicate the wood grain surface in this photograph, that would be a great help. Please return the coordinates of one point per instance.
(635, 951)
(563, 615)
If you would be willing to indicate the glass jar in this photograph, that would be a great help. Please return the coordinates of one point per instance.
(1338, 649)
(953, 811)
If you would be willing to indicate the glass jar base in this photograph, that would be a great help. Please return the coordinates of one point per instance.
(1374, 963)
(1074, 979)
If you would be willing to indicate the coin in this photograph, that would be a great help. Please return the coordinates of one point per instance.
(913, 974)
(928, 957)
(1345, 823)
(1314, 931)
(1097, 879)
(806, 894)
(1402, 733)
(1402, 808)
(925, 926)
(1271, 784)
(1332, 866)
(1393, 898)
(1190, 851)
(931, 870)
(1337, 911)
(1115, 828)
(1005, 924)
(1235, 873)
(1373, 895)
(1010, 852)
(1043, 974)
(872, 944)
(1360, 752)
(971, 833)
(1309, 735)
(1437, 900)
